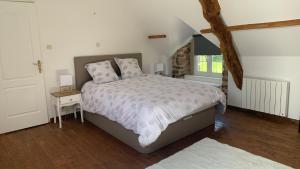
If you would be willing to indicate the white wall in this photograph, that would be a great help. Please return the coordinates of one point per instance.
(276, 67)
(73, 27)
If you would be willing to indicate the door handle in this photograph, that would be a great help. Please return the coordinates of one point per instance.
(39, 65)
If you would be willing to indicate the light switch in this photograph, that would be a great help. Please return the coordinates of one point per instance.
(49, 47)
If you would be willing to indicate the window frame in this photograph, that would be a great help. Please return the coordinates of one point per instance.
(209, 72)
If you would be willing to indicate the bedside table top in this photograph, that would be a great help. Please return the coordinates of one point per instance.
(63, 94)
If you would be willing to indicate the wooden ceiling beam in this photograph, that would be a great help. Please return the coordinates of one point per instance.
(211, 12)
(263, 25)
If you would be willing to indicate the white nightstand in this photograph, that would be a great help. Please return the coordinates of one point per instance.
(72, 98)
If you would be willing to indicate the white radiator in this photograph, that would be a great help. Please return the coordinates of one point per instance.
(266, 95)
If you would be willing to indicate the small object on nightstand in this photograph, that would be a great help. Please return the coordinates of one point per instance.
(64, 80)
(65, 99)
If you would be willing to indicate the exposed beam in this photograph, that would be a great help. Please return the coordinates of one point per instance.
(211, 12)
(264, 25)
(157, 36)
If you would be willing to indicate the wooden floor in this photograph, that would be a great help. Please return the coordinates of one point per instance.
(85, 146)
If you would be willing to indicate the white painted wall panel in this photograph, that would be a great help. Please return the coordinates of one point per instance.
(244, 94)
(235, 94)
(248, 93)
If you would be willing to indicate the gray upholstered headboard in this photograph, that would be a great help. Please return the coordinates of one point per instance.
(81, 74)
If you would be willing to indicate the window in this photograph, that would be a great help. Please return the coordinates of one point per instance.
(209, 65)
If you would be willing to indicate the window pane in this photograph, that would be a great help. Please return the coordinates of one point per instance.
(202, 63)
(217, 64)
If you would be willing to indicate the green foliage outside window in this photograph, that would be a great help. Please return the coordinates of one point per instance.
(216, 62)
(203, 64)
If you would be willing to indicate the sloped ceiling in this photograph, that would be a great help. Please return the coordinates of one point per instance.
(174, 18)
(265, 42)
(157, 16)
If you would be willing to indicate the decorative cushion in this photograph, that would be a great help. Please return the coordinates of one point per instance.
(129, 67)
(102, 72)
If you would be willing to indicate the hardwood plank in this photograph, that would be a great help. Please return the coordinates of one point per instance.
(5, 159)
(273, 138)
(264, 25)
(24, 152)
(84, 146)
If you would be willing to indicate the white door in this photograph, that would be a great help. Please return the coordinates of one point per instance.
(22, 94)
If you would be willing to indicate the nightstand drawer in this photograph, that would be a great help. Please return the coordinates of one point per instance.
(70, 99)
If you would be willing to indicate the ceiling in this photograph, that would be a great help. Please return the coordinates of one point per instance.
(180, 19)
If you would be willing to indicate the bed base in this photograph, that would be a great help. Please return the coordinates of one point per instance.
(174, 132)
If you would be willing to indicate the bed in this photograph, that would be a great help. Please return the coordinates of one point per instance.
(198, 119)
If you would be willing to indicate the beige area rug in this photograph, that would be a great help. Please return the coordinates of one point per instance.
(210, 154)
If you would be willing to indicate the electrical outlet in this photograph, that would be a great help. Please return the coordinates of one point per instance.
(98, 44)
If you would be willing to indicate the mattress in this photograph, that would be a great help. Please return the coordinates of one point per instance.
(148, 104)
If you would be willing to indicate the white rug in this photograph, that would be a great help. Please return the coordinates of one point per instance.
(210, 154)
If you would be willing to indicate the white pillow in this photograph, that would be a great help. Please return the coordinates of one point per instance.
(129, 67)
(102, 72)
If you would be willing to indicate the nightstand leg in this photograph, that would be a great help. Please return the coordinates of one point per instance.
(81, 114)
(58, 112)
(54, 115)
(75, 115)
(59, 117)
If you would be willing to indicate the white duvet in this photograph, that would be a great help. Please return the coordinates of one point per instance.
(148, 104)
